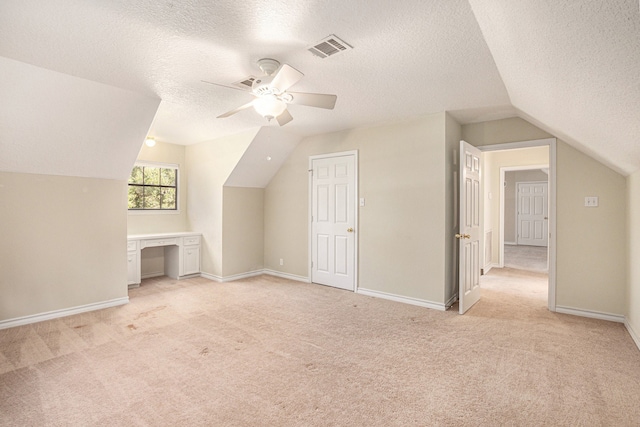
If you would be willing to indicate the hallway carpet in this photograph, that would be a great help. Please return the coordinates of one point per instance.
(271, 352)
(522, 257)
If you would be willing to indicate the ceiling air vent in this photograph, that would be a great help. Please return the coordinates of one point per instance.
(329, 46)
(245, 83)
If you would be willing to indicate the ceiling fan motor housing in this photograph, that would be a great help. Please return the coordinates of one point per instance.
(262, 87)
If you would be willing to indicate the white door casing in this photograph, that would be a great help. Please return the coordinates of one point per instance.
(469, 234)
(552, 143)
(532, 213)
(333, 220)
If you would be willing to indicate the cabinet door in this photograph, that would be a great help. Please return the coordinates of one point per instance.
(191, 260)
(132, 268)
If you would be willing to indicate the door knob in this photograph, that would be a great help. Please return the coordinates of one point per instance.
(349, 230)
(463, 236)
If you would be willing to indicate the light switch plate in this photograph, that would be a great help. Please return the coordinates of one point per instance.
(362, 201)
(591, 201)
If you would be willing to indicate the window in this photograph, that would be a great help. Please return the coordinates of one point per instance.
(153, 187)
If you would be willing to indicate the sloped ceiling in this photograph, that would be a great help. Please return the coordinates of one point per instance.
(570, 67)
(267, 152)
(573, 68)
(56, 124)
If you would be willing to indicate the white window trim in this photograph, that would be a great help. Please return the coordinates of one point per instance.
(158, 211)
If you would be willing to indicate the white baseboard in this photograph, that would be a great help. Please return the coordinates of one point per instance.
(232, 277)
(255, 273)
(403, 299)
(592, 314)
(151, 275)
(34, 318)
(211, 277)
(632, 332)
(286, 275)
(511, 243)
(451, 301)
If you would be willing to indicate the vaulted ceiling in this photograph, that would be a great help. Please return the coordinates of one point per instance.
(91, 74)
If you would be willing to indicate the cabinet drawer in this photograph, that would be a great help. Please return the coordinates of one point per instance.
(159, 242)
(132, 245)
(191, 240)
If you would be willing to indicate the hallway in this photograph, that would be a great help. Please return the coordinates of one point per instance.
(530, 258)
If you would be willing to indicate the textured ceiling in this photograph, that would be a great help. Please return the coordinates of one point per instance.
(570, 65)
(573, 68)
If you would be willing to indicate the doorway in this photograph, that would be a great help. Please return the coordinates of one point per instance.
(494, 217)
(333, 222)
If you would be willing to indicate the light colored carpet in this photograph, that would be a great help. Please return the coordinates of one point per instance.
(270, 352)
(522, 257)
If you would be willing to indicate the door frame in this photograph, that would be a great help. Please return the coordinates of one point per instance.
(552, 248)
(356, 213)
(503, 171)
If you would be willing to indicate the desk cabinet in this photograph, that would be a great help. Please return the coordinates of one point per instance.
(133, 263)
(190, 255)
(181, 254)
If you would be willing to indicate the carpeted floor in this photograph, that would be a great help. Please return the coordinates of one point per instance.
(522, 257)
(270, 352)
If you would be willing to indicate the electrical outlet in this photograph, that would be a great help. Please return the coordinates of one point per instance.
(281, 261)
(591, 201)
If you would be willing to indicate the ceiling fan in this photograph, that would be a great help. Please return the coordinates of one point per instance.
(272, 95)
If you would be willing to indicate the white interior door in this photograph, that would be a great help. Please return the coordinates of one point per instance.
(469, 235)
(532, 214)
(333, 221)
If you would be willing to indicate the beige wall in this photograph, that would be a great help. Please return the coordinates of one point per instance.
(165, 222)
(513, 129)
(591, 261)
(231, 219)
(493, 161)
(591, 268)
(633, 253)
(210, 163)
(402, 227)
(243, 230)
(63, 242)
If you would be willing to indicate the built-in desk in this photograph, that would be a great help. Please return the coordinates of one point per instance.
(181, 254)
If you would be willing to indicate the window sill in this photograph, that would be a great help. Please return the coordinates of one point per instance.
(152, 212)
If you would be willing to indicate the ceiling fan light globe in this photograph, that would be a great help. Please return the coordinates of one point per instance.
(269, 106)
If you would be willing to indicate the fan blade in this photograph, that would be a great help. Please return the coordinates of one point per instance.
(284, 118)
(320, 100)
(228, 87)
(286, 77)
(232, 112)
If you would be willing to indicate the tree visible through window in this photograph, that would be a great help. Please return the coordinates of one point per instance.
(153, 188)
